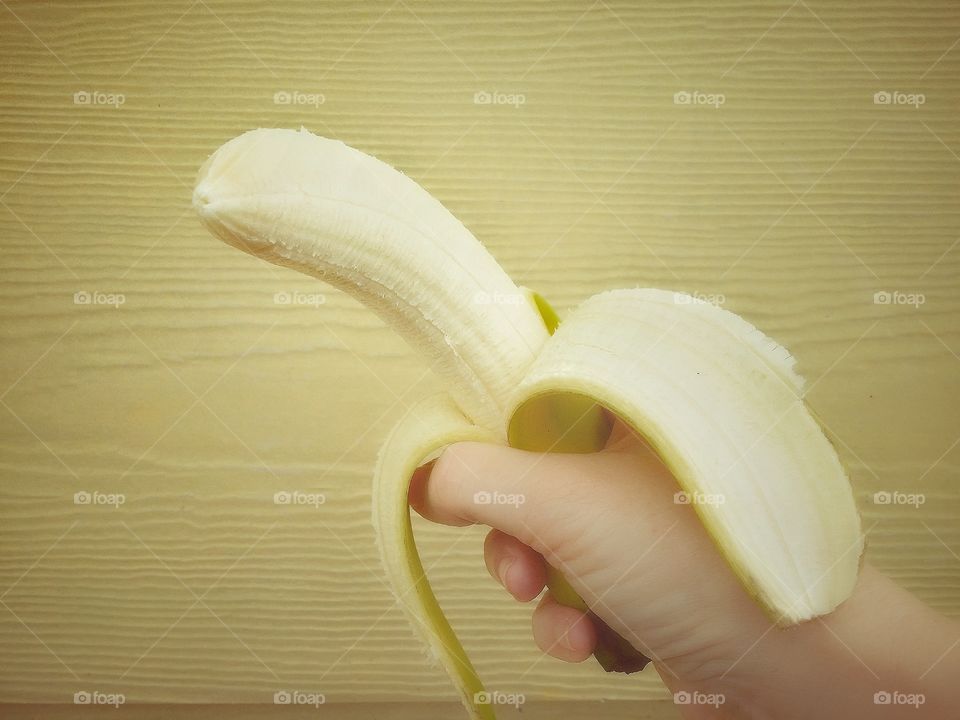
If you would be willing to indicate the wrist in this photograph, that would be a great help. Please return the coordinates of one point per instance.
(880, 643)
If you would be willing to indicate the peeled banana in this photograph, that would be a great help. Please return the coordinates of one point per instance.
(718, 400)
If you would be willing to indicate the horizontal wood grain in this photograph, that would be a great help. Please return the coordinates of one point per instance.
(351, 711)
(199, 397)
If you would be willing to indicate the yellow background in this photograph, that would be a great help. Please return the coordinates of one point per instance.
(795, 201)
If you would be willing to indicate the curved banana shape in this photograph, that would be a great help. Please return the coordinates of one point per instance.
(330, 211)
(428, 427)
(718, 400)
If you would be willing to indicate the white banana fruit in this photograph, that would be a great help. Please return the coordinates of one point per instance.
(717, 399)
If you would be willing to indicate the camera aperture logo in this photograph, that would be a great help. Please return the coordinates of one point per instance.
(295, 97)
(95, 697)
(515, 100)
(895, 697)
(694, 298)
(298, 497)
(97, 498)
(683, 497)
(497, 298)
(895, 97)
(896, 297)
(697, 97)
(686, 697)
(498, 498)
(97, 98)
(114, 300)
(299, 298)
(899, 498)
(495, 697)
(298, 697)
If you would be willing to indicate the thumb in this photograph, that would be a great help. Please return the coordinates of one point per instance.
(525, 494)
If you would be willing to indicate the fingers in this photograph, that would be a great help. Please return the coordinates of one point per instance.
(562, 632)
(417, 497)
(509, 489)
(519, 568)
(489, 484)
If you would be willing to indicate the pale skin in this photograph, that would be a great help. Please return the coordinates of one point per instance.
(646, 566)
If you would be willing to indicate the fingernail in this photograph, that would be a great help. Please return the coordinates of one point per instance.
(565, 641)
(565, 638)
(503, 569)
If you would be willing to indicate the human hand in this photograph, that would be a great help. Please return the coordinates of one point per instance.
(612, 524)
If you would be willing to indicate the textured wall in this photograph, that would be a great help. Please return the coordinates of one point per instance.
(730, 149)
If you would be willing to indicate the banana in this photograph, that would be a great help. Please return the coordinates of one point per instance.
(716, 398)
(321, 207)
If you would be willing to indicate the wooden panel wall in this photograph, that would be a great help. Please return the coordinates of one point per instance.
(796, 199)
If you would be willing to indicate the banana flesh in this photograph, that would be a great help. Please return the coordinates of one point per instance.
(326, 209)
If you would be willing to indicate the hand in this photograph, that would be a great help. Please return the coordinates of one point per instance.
(611, 523)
